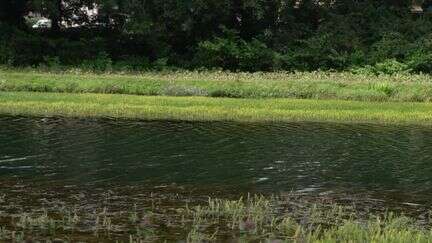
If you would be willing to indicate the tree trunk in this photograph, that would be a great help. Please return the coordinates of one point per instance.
(56, 17)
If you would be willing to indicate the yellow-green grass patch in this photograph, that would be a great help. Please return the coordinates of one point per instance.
(212, 109)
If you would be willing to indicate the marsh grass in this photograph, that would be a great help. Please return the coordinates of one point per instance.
(261, 218)
(42, 222)
(254, 218)
(211, 109)
(298, 85)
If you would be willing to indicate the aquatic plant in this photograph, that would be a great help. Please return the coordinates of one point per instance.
(259, 218)
(4, 233)
(195, 236)
(41, 222)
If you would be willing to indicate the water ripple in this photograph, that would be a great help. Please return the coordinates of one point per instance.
(248, 156)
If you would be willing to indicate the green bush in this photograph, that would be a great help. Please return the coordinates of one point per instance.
(319, 52)
(392, 45)
(390, 67)
(51, 63)
(234, 53)
(219, 52)
(421, 62)
(420, 58)
(160, 64)
(133, 63)
(101, 63)
(255, 55)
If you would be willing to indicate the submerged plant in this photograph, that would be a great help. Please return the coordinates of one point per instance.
(17, 236)
(42, 222)
(4, 233)
(251, 218)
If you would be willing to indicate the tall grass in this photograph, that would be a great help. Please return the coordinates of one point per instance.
(302, 85)
(260, 217)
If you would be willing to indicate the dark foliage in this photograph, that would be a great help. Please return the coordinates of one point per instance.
(246, 35)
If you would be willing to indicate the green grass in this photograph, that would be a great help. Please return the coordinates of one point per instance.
(211, 109)
(317, 96)
(314, 85)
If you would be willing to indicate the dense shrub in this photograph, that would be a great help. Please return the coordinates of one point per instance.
(420, 58)
(421, 62)
(319, 52)
(391, 45)
(52, 63)
(101, 63)
(133, 63)
(390, 67)
(234, 53)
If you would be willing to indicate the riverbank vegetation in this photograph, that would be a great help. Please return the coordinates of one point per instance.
(296, 85)
(210, 109)
(253, 218)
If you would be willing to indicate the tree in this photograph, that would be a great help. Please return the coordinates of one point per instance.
(63, 11)
(12, 12)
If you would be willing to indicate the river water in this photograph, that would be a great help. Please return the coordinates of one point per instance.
(388, 163)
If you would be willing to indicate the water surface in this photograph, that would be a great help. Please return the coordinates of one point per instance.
(391, 163)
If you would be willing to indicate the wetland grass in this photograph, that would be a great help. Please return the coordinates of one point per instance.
(299, 85)
(212, 109)
(255, 218)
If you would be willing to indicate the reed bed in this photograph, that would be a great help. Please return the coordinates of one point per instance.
(297, 85)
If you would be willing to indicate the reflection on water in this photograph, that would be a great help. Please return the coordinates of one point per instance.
(385, 161)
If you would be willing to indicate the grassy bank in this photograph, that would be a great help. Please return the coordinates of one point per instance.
(210, 109)
(316, 85)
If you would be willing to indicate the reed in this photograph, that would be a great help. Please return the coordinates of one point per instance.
(298, 85)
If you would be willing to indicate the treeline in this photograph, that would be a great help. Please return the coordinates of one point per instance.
(239, 35)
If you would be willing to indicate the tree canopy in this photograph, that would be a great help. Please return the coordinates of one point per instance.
(245, 35)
